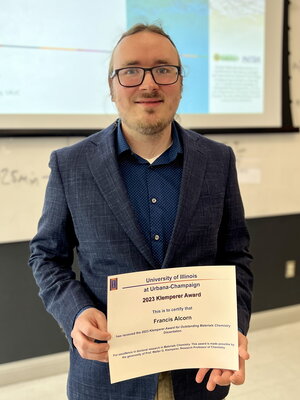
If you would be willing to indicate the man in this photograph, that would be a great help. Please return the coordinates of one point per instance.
(142, 194)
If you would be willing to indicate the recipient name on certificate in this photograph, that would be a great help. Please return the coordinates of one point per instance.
(173, 318)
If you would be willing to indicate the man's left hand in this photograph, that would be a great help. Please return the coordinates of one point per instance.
(224, 377)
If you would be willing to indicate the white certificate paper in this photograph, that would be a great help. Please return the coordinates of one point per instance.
(174, 318)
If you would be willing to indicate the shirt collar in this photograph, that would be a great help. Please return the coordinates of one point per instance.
(176, 147)
(122, 144)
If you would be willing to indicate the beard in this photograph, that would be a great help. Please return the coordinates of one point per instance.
(149, 123)
(148, 128)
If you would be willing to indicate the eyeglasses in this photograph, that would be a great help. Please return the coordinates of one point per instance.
(134, 76)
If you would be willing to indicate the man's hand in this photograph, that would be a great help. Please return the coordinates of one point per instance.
(89, 326)
(224, 377)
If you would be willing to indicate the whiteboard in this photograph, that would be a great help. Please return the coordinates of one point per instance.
(268, 170)
(24, 174)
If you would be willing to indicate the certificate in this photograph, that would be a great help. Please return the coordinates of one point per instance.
(173, 318)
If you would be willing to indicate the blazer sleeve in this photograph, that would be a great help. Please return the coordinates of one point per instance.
(233, 244)
(52, 256)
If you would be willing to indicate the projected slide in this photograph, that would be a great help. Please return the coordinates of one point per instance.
(54, 55)
(236, 70)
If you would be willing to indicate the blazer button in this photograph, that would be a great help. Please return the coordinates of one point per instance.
(156, 237)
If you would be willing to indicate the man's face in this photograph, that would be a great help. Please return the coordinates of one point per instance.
(148, 108)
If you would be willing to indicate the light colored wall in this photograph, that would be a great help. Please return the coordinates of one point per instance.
(269, 165)
(269, 170)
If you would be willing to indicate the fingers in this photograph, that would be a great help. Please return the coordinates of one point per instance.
(90, 327)
(93, 333)
(243, 347)
(226, 377)
(213, 379)
(201, 374)
(90, 350)
(217, 377)
(244, 354)
(222, 377)
(92, 323)
(238, 377)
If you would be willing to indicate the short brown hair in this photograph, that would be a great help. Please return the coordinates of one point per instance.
(142, 28)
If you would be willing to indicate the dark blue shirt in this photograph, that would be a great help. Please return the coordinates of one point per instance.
(153, 190)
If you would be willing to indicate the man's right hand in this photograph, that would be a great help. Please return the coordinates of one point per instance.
(89, 326)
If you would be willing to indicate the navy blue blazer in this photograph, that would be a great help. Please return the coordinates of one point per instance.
(87, 208)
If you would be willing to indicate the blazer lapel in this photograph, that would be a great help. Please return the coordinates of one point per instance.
(104, 168)
(194, 166)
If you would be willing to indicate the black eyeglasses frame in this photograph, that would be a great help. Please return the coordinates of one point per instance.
(116, 73)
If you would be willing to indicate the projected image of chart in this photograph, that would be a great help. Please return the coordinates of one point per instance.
(56, 55)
